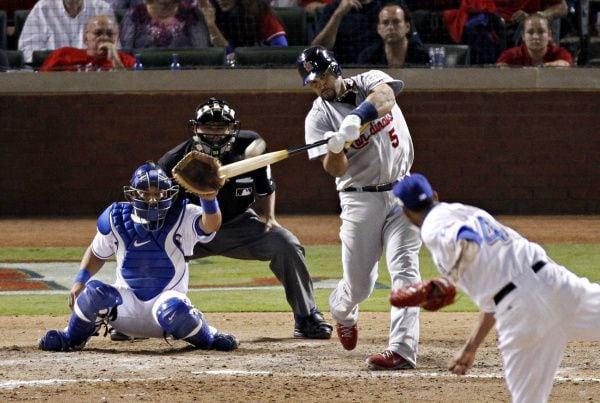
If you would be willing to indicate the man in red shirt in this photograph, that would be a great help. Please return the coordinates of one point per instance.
(100, 38)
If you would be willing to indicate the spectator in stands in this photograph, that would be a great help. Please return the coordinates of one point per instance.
(346, 27)
(248, 23)
(52, 24)
(164, 24)
(394, 48)
(514, 13)
(100, 53)
(167, 24)
(537, 48)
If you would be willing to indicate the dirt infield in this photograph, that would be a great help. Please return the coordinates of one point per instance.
(271, 365)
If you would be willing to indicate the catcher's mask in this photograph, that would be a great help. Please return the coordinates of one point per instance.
(315, 61)
(151, 194)
(214, 127)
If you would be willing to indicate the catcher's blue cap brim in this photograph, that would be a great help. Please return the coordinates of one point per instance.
(413, 190)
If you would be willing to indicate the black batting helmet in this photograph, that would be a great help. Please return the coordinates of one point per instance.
(315, 61)
(215, 113)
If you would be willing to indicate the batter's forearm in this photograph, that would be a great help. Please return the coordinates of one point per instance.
(383, 99)
(335, 164)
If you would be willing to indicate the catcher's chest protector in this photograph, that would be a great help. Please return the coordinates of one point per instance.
(146, 266)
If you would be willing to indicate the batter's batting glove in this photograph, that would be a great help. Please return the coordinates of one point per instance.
(350, 128)
(336, 142)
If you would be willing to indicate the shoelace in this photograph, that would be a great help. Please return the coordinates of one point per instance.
(388, 355)
(347, 331)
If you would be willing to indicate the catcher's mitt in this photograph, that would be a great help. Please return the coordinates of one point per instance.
(198, 173)
(431, 294)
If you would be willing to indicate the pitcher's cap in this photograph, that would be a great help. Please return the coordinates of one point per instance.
(413, 190)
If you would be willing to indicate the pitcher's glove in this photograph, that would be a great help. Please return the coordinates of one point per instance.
(198, 173)
(431, 294)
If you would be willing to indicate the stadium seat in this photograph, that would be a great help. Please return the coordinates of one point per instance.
(20, 17)
(295, 23)
(15, 59)
(38, 58)
(3, 28)
(265, 56)
(188, 58)
(456, 55)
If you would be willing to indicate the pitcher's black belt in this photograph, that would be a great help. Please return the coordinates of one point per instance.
(510, 286)
(384, 187)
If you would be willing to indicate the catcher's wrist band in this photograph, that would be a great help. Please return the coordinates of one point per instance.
(209, 206)
(82, 276)
(366, 111)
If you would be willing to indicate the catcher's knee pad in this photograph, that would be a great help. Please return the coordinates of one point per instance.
(181, 320)
(95, 298)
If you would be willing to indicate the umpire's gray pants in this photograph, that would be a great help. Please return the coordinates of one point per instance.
(246, 237)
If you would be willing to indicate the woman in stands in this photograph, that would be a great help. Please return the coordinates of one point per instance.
(170, 24)
(537, 48)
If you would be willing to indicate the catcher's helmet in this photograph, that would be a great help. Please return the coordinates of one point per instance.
(151, 194)
(315, 61)
(218, 115)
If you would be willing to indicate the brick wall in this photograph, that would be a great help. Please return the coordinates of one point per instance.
(510, 152)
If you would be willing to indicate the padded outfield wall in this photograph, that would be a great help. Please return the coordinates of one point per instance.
(518, 141)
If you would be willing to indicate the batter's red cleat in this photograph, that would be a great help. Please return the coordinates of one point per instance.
(388, 360)
(348, 335)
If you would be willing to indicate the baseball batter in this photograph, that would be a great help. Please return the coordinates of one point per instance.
(536, 304)
(150, 236)
(361, 111)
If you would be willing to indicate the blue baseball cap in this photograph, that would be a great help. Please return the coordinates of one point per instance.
(413, 190)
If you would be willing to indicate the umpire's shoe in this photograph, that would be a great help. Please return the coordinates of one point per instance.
(224, 342)
(57, 340)
(312, 326)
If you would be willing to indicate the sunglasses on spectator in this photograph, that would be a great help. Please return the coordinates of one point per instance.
(99, 32)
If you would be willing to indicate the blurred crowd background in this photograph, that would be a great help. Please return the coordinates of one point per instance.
(101, 35)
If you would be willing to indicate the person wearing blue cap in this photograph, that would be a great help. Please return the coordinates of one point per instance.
(536, 305)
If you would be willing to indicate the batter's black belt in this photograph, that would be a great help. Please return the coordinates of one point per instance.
(511, 286)
(384, 187)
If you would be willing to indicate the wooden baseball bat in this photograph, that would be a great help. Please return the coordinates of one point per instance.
(250, 164)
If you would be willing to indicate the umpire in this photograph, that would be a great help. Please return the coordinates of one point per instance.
(243, 235)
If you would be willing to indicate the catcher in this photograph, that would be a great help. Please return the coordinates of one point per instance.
(537, 305)
(149, 236)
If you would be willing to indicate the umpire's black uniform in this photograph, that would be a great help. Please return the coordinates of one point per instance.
(242, 234)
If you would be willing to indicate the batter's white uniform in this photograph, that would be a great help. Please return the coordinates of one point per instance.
(382, 154)
(136, 317)
(536, 319)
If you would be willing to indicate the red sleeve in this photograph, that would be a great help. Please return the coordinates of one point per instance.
(65, 59)
(127, 59)
(512, 56)
(557, 53)
(271, 27)
(51, 61)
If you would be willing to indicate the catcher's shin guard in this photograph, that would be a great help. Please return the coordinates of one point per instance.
(95, 298)
(182, 321)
